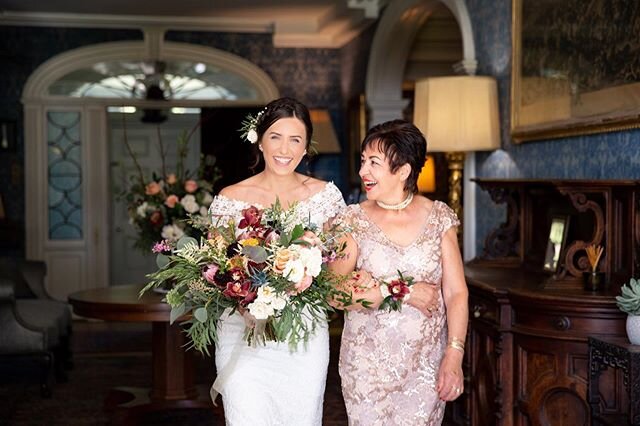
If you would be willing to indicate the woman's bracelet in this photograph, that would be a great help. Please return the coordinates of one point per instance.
(456, 344)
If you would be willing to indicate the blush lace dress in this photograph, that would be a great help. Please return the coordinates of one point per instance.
(271, 385)
(389, 360)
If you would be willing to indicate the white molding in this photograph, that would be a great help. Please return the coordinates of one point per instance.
(35, 90)
(195, 23)
(394, 36)
(333, 30)
(90, 255)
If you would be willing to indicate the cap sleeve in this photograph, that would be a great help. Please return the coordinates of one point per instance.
(447, 217)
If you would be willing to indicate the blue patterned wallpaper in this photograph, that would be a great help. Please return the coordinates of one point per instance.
(601, 156)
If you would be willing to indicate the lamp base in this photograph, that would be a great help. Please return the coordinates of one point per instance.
(455, 162)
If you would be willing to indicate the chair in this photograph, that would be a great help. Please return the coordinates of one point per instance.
(34, 325)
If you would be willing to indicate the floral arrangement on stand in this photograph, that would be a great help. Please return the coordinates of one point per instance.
(165, 207)
(268, 265)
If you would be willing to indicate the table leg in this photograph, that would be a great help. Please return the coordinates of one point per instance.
(173, 374)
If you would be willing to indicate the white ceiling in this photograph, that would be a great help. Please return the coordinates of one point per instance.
(294, 23)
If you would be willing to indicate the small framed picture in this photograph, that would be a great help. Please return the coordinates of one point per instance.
(556, 243)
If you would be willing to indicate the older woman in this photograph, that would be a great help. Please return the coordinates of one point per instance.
(401, 357)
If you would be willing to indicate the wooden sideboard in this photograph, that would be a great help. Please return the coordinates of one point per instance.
(527, 348)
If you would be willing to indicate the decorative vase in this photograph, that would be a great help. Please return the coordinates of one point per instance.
(633, 329)
(593, 281)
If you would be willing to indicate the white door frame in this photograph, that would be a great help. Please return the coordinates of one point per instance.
(80, 264)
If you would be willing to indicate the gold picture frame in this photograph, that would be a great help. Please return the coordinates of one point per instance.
(573, 69)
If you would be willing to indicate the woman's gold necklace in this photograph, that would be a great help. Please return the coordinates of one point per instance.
(401, 205)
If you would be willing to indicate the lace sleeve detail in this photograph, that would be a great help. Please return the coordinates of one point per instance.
(332, 202)
(323, 205)
(224, 209)
(447, 217)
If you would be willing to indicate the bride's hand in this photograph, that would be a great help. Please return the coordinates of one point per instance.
(424, 297)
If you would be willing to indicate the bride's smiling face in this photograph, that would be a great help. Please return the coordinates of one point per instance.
(283, 145)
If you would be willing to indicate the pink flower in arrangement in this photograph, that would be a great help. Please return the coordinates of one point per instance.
(161, 247)
(171, 178)
(152, 188)
(398, 289)
(191, 186)
(209, 273)
(171, 201)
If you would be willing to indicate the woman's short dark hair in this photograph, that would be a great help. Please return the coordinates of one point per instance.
(402, 143)
(284, 108)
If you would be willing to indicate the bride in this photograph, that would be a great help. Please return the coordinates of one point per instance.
(272, 385)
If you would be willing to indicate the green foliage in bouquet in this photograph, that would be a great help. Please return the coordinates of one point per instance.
(629, 300)
(159, 207)
(268, 266)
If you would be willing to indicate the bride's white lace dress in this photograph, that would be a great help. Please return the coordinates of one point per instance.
(271, 385)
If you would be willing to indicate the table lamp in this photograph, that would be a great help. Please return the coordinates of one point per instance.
(457, 114)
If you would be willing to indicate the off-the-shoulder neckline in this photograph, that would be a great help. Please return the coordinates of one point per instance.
(326, 187)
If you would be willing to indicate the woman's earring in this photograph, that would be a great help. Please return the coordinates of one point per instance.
(305, 152)
(260, 147)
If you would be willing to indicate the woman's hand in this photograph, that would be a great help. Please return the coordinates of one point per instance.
(424, 297)
(450, 379)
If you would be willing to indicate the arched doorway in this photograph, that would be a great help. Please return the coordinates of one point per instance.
(394, 37)
(67, 149)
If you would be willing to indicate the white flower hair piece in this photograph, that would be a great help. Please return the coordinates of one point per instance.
(249, 128)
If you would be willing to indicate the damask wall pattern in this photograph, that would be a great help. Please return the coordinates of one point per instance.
(613, 155)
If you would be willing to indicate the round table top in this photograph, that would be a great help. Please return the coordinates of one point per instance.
(120, 303)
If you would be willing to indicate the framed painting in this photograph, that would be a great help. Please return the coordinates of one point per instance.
(574, 67)
(556, 242)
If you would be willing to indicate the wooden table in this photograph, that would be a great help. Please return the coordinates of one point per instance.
(173, 383)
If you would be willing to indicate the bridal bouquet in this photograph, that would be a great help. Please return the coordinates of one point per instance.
(267, 264)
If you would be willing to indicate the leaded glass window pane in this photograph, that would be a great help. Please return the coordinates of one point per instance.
(64, 165)
(154, 80)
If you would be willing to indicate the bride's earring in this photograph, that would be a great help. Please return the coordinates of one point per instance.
(260, 148)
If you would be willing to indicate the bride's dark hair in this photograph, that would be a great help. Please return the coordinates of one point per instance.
(284, 108)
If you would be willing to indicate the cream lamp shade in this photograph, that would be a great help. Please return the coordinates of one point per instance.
(323, 132)
(458, 113)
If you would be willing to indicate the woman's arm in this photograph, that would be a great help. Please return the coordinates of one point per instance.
(456, 295)
(354, 284)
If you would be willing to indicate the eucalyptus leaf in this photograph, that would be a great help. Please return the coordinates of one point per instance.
(255, 253)
(200, 314)
(182, 242)
(162, 260)
(176, 312)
